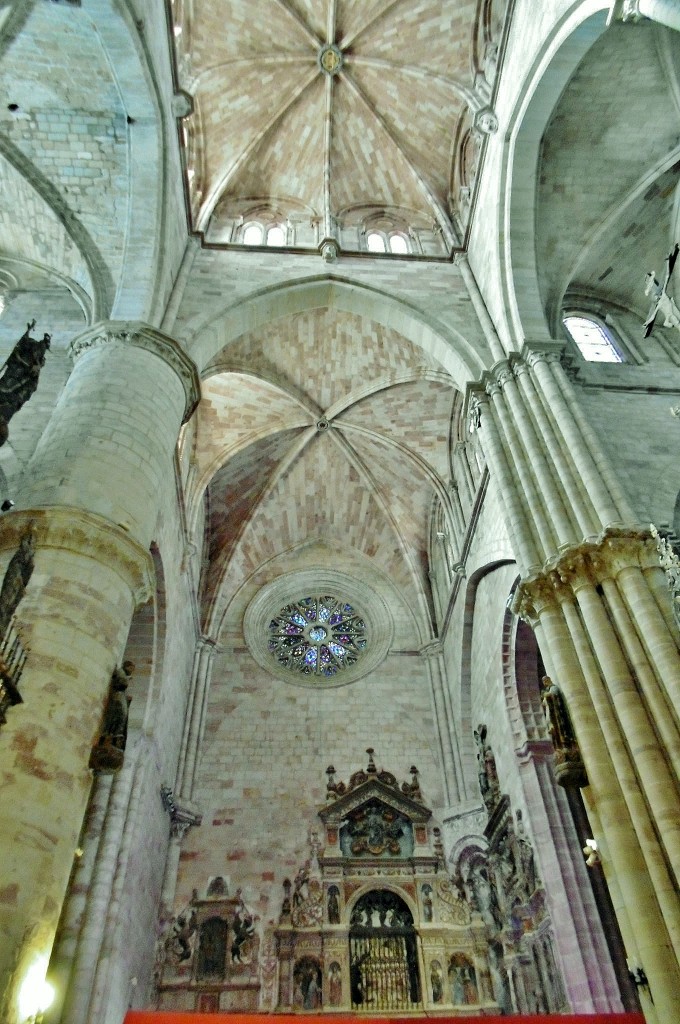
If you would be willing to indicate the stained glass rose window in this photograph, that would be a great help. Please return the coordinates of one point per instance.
(317, 636)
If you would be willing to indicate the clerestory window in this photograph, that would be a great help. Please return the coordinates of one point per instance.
(252, 234)
(593, 339)
(394, 242)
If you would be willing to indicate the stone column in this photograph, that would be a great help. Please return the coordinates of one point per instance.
(579, 939)
(98, 898)
(614, 790)
(195, 720)
(91, 495)
(501, 473)
(588, 461)
(73, 915)
(445, 725)
(533, 507)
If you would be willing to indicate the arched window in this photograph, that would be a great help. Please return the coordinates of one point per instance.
(252, 234)
(398, 243)
(593, 339)
(375, 242)
(276, 235)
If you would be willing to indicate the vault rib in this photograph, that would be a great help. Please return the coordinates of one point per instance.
(439, 211)
(220, 186)
(411, 69)
(301, 23)
(353, 36)
(376, 492)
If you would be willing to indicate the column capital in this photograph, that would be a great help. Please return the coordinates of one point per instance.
(503, 374)
(548, 353)
(87, 534)
(142, 335)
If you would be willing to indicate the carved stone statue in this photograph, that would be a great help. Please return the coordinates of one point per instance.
(107, 753)
(569, 767)
(16, 579)
(179, 944)
(486, 770)
(19, 376)
(662, 303)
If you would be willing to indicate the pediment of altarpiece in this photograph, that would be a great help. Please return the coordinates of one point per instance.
(373, 817)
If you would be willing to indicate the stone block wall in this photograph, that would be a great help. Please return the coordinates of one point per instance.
(262, 777)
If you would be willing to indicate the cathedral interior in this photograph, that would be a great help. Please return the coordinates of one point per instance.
(339, 650)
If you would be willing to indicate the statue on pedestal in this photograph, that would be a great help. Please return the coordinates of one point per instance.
(108, 752)
(662, 303)
(19, 376)
(569, 767)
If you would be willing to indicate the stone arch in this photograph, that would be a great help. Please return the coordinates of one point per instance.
(566, 45)
(522, 669)
(384, 884)
(72, 247)
(445, 344)
(468, 756)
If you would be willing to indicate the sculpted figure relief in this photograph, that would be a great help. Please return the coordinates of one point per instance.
(16, 579)
(107, 753)
(19, 376)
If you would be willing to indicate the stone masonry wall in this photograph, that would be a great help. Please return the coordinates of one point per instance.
(267, 745)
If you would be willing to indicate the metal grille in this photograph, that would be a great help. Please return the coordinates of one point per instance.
(384, 970)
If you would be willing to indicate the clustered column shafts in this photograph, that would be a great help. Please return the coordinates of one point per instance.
(572, 495)
(557, 527)
(516, 521)
(66, 949)
(194, 722)
(113, 940)
(591, 587)
(513, 435)
(92, 935)
(559, 631)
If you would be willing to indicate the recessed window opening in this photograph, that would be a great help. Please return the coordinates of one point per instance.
(592, 340)
(398, 244)
(252, 234)
(375, 242)
(276, 235)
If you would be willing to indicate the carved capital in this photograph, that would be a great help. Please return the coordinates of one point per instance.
(86, 534)
(626, 551)
(520, 368)
(532, 597)
(141, 335)
(577, 570)
(540, 355)
(504, 375)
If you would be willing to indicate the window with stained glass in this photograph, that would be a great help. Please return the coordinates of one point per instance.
(317, 636)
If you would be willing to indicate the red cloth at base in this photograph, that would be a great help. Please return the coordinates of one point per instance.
(174, 1017)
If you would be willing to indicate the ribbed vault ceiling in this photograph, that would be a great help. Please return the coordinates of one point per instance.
(362, 487)
(382, 130)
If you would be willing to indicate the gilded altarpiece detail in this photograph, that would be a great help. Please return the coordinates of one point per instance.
(374, 914)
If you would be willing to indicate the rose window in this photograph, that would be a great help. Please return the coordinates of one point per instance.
(317, 636)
